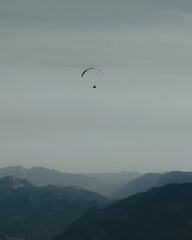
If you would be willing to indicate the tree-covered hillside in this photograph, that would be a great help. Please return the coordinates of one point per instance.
(41, 213)
(163, 213)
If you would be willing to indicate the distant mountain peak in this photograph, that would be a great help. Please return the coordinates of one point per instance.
(13, 182)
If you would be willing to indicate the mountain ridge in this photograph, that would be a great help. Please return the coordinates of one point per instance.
(150, 180)
(161, 213)
(40, 213)
(41, 176)
(13, 182)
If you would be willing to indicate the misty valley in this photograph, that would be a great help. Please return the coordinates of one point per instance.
(44, 204)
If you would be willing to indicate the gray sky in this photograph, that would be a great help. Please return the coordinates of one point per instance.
(140, 115)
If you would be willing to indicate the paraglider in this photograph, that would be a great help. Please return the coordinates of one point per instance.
(92, 68)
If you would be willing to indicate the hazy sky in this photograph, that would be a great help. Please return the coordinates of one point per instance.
(139, 118)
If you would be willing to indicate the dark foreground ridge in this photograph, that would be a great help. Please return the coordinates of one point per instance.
(162, 213)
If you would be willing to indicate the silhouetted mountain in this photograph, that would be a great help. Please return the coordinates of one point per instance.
(42, 176)
(140, 184)
(10, 183)
(149, 180)
(16, 171)
(41, 212)
(14, 182)
(116, 178)
(163, 213)
(113, 181)
(174, 177)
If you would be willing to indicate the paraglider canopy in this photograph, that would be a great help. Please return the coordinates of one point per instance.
(91, 69)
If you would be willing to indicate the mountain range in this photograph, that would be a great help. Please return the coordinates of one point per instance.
(31, 212)
(104, 184)
(163, 213)
(149, 180)
(41, 213)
